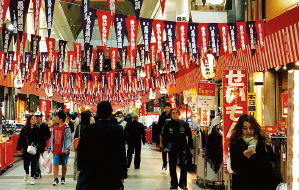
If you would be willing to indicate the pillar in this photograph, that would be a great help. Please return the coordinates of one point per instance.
(240, 10)
(270, 97)
(11, 103)
(231, 14)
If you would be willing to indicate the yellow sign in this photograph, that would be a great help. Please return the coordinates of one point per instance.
(252, 104)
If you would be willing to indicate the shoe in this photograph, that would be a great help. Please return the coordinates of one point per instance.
(32, 181)
(164, 168)
(37, 176)
(56, 181)
(62, 180)
(137, 168)
(173, 187)
(26, 177)
(183, 186)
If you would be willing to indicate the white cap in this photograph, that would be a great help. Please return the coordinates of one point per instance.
(38, 113)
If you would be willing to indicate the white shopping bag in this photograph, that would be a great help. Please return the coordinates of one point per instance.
(282, 186)
(47, 164)
(41, 164)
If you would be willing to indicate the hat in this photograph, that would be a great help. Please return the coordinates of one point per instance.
(118, 113)
(38, 114)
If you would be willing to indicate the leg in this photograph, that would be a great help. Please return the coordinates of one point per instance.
(33, 163)
(183, 166)
(137, 156)
(172, 167)
(129, 155)
(164, 158)
(26, 160)
(64, 169)
(56, 170)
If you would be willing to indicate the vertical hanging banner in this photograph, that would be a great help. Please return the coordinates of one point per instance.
(241, 26)
(252, 35)
(88, 24)
(120, 29)
(36, 13)
(234, 104)
(146, 28)
(178, 52)
(224, 37)
(44, 59)
(252, 109)
(61, 54)
(88, 53)
(170, 27)
(34, 46)
(203, 40)
(284, 98)
(112, 8)
(28, 59)
(52, 65)
(70, 60)
(162, 2)
(77, 55)
(93, 59)
(158, 26)
(2, 60)
(104, 21)
(22, 10)
(123, 57)
(166, 54)
(260, 28)
(141, 54)
(214, 34)
(6, 36)
(51, 48)
(14, 17)
(21, 44)
(132, 28)
(129, 74)
(101, 59)
(182, 29)
(153, 54)
(113, 52)
(49, 6)
(172, 100)
(233, 34)
(3, 6)
(193, 38)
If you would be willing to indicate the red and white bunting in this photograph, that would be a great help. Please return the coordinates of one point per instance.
(182, 30)
(158, 26)
(153, 54)
(36, 14)
(260, 29)
(242, 35)
(104, 21)
(2, 59)
(130, 73)
(70, 60)
(112, 8)
(162, 2)
(3, 7)
(50, 47)
(224, 37)
(148, 70)
(203, 38)
(132, 56)
(93, 59)
(77, 54)
(113, 52)
(21, 45)
(178, 52)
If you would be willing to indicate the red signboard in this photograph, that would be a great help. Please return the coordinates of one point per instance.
(206, 89)
(234, 104)
(143, 110)
(44, 107)
(284, 104)
(172, 101)
(271, 129)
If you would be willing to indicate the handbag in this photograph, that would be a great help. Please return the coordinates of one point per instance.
(275, 172)
(31, 149)
(76, 141)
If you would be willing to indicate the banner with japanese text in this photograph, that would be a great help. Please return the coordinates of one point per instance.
(252, 105)
(206, 95)
(172, 100)
(44, 107)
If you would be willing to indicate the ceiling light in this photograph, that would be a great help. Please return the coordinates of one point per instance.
(297, 63)
(284, 67)
(10, 27)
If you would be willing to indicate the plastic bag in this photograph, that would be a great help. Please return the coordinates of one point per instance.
(282, 186)
(47, 164)
(41, 164)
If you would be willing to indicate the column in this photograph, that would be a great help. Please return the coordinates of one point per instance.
(270, 97)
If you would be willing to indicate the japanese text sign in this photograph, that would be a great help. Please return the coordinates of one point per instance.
(252, 104)
(206, 89)
(271, 129)
(172, 101)
(284, 104)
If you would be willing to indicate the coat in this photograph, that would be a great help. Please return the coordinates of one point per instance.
(45, 133)
(162, 120)
(134, 133)
(101, 156)
(254, 172)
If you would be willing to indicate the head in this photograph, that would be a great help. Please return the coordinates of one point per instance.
(85, 118)
(175, 114)
(38, 116)
(49, 117)
(30, 121)
(119, 114)
(249, 127)
(128, 116)
(167, 108)
(135, 117)
(60, 117)
(104, 110)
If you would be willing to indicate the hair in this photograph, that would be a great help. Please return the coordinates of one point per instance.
(167, 104)
(237, 131)
(212, 116)
(68, 114)
(27, 124)
(61, 115)
(104, 110)
(175, 109)
(135, 117)
(85, 118)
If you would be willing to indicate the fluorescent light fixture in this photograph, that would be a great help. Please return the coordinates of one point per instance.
(10, 27)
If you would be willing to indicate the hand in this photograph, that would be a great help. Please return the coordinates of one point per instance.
(122, 181)
(248, 153)
(67, 152)
(41, 154)
(165, 150)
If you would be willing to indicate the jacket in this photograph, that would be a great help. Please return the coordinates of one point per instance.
(162, 120)
(101, 156)
(254, 172)
(177, 135)
(134, 132)
(67, 140)
(122, 122)
(45, 134)
(82, 127)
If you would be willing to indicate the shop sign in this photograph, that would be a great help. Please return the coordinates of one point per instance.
(206, 95)
(284, 104)
(172, 101)
(252, 104)
(143, 109)
(205, 102)
(44, 107)
(205, 115)
(271, 129)
(234, 104)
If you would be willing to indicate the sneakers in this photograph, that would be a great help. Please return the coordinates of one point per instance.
(173, 187)
(164, 167)
(62, 180)
(32, 181)
(56, 181)
(183, 186)
(26, 177)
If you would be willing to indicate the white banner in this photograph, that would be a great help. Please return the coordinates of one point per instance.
(206, 102)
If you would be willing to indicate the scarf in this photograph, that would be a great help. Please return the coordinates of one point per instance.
(251, 141)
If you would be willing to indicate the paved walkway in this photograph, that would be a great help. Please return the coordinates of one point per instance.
(149, 177)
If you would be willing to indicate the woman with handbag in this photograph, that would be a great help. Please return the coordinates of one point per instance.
(85, 121)
(31, 142)
(252, 158)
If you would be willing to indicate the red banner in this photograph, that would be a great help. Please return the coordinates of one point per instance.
(224, 37)
(77, 54)
(162, 5)
(51, 48)
(158, 26)
(143, 109)
(130, 73)
(132, 56)
(70, 59)
(285, 97)
(3, 6)
(172, 100)
(206, 89)
(93, 59)
(242, 36)
(2, 59)
(113, 52)
(132, 28)
(182, 30)
(203, 38)
(112, 8)
(148, 70)
(178, 52)
(44, 107)
(52, 66)
(21, 45)
(271, 129)
(234, 104)
(153, 54)
(260, 29)
(36, 14)
(104, 21)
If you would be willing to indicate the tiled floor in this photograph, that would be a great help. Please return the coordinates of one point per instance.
(149, 177)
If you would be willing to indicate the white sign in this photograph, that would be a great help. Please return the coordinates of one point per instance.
(205, 101)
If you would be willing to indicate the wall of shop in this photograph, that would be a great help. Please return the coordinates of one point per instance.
(277, 7)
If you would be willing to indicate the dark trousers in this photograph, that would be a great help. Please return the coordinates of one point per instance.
(30, 160)
(164, 158)
(134, 147)
(174, 154)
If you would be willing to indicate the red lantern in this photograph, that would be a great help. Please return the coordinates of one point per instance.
(185, 112)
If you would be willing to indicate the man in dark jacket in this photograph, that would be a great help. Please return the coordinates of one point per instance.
(101, 153)
(177, 140)
(134, 132)
(165, 116)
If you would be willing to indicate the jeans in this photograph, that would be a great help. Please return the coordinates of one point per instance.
(30, 160)
(131, 149)
(174, 154)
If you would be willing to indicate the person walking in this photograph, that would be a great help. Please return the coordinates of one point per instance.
(85, 121)
(60, 145)
(45, 135)
(102, 154)
(134, 133)
(165, 117)
(120, 119)
(30, 136)
(177, 141)
(252, 158)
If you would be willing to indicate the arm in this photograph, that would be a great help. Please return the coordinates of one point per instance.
(69, 139)
(47, 132)
(82, 150)
(77, 132)
(189, 135)
(238, 160)
(21, 140)
(123, 157)
(165, 135)
(142, 133)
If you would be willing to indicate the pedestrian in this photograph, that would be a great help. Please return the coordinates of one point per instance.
(60, 145)
(102, 154)
(134, 133)
(252, 158)
(30, 136)
(45, 134)
(177, 141)
(128, 118)
(85, 121)
(69, 121)
(120, 119)
(165, 117)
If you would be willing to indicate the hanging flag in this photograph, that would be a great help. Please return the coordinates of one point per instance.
(158, 26)
(51, 48)
(148, 70)
(88, 53)
(88, 24)
(259, 25)
(146, 28)
(113, 52)
(3, 6)
(6, 36)
(203, 40)
(34, 46)
(193, 38)
(178, 52)
(70, 59)
(44, 59)
(21, 44)
(233, 34)
(162, 5)
(93, 59)
(120, 29)
(2, 59)
(182, 29)
(104, 21)
(28, 59)
(52, 65)
(39, 77)
(153, 54)
(36, 13)
(252, 35)
(112, 8)
(241, 35)
(8, 62)
(132, 28)
(123, 57)
(170, 27)
(101, 59)
(141, 54)
(22, 10)
(129, 74)
(214, 34)
(132, 56)
(61, 54)
(223, 29)
(14, 17)
(166, 53)
(77, 55)
(137, 6)
(23, 72)
(153, 82)
(49, 6)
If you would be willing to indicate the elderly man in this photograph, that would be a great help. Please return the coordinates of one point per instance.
(134, 132)
(120, 119)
